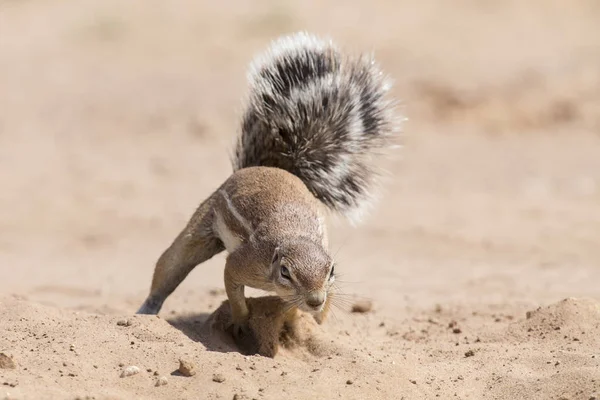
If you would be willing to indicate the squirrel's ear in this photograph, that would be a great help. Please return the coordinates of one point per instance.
(275, 259)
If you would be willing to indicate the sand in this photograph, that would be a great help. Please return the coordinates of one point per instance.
(476, 277)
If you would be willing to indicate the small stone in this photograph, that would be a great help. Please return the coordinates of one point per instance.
(162, 381)
(413, 382)
(363, 306)
(217, 292)
(6, 362)
(469, 353)
(124, 322)
(349, 382)
(219, 378)
(155, 373)
(186, 367)
(129, 371)
(121, 365)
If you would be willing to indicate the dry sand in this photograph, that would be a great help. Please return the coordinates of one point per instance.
(482, 261)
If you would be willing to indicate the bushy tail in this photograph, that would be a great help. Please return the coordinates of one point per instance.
(320, 115)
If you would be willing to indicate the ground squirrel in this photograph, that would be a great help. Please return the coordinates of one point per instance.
(314, 118)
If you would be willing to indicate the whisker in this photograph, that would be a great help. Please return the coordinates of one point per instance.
(342, 300)
(341, 305)
(336, 299)
(336, 320)
(294, 302)
(344, 242)
(335, 306)
(289, 296)
(339, 275)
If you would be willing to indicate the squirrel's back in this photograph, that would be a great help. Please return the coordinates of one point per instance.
(320, 115)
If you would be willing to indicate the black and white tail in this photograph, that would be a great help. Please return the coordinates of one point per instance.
(321, 115)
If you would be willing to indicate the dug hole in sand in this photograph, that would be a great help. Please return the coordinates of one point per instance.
(272, 329)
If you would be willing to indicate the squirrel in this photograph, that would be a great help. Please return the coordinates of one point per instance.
(313, 122)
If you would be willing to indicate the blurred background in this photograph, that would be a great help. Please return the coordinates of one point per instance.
(117, 118)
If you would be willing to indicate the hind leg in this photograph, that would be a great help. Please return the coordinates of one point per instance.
(194, 245)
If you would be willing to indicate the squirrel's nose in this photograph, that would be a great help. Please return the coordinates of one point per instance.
(315, 300)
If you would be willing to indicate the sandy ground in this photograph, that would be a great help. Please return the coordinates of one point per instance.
(482, 260)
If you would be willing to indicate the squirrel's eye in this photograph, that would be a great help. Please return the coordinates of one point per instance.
(331, 273)
(285, 272)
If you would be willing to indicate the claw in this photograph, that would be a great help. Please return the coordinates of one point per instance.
(239, 329)
(151, 306)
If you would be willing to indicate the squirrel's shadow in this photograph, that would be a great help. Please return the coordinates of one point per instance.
(271, 325)
(195, 327)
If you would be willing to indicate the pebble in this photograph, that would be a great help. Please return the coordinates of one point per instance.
(218, 378)
(186, 367)
(349, 382)
(124, 322)
(131, 370)
(6, 362)
(363, 306)
(162, 381)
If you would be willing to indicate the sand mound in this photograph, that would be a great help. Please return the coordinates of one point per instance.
(61, 354)
(272, 329)
(551, 353)
(569, 318)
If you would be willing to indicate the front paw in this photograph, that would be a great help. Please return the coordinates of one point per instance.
(239, 328)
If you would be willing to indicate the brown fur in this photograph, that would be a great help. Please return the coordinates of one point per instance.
(263, 209)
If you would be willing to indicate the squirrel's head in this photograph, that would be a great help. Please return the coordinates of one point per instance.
(303, 272)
